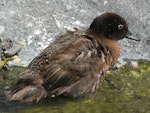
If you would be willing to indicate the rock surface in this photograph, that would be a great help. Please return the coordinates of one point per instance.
(35, 23)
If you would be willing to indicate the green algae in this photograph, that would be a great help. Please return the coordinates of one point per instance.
(10, 76)
(124, 90)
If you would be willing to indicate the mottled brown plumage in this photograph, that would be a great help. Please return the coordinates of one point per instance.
(74, 64)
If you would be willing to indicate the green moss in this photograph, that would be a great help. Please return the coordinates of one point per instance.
(1, 79)
(11, 75)
(132, 80)
(4, 61)
(124, 90)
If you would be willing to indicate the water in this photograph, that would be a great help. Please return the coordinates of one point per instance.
(123, 91)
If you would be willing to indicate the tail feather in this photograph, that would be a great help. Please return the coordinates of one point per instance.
(19, 85)
(26, 92)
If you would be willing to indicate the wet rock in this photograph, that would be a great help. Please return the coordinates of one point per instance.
(2, 29)
(6, 44)
(8, 50)
(12, 51)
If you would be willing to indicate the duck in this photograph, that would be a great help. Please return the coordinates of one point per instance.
(74, 64)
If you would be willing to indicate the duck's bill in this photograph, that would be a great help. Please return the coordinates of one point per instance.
(131, 37)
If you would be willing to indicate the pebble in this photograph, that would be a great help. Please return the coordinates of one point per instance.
(134, 64)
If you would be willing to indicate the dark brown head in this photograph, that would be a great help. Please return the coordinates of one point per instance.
(110, 25)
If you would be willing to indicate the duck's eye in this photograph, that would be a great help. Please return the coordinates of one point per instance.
(120, 26)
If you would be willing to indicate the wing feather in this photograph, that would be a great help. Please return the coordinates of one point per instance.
(74, 70)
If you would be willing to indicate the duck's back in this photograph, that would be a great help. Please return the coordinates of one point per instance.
(56, 45)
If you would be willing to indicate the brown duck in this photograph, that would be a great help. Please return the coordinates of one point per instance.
(74, 64)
